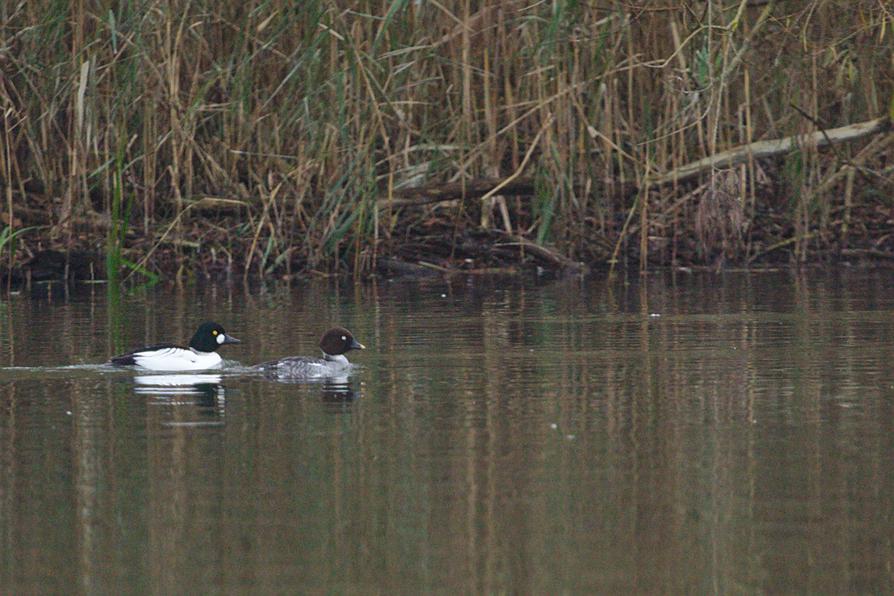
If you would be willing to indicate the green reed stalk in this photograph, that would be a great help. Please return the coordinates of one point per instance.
(118, 220)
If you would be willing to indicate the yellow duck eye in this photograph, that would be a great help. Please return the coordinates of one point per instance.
(214, 332)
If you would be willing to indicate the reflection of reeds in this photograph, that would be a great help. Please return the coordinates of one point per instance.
(310, 117)
(7, 240)
(719, 446)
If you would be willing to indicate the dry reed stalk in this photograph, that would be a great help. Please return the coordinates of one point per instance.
(225, 98)
(7, 168)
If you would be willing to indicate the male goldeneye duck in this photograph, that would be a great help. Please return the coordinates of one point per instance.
(200, 355)
(334, 343)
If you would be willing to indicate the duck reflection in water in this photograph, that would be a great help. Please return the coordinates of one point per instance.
(204, 391)
(339, 391)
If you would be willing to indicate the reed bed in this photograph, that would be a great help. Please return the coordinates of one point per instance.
(278, 137)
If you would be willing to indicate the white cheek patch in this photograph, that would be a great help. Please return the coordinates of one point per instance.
(343, 338)
(221, 338)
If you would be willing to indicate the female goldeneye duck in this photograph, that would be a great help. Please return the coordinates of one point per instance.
(335, 343)
(200, 355)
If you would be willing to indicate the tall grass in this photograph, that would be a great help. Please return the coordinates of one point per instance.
(125, 115)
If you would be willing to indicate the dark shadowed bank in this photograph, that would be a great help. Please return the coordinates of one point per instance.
(279, 138)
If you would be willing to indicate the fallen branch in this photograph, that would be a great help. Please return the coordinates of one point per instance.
(779, 245)
(514, 185)
(761, 149)
(506, 184)
(394, 266)
(438, 193)
(867, 252)
(45, 217)
(551, 257)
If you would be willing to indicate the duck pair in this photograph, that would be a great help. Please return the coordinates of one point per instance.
(201, 354)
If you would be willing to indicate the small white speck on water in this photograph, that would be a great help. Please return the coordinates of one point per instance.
(655, 315)
(68, 412)
(554, 426)
(443, 295)
(570, 437)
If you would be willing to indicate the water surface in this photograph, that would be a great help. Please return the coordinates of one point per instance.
(686, 433)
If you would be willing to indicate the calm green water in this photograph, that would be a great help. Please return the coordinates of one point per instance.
(696, 434)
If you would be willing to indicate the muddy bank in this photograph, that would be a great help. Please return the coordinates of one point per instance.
(435, 233)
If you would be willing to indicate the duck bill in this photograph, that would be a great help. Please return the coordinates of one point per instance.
(229, 339)
(356, 345)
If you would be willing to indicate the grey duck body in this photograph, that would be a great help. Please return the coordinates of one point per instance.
(334, 343)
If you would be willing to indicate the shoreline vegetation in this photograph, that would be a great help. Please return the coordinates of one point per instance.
(152, 140)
